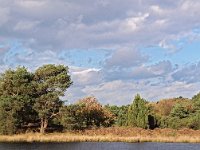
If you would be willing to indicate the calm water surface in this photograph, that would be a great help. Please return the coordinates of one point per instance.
(99, 146)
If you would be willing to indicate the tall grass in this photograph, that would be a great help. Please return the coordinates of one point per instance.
(110, 135)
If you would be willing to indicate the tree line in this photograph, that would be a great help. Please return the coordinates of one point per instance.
(31, 101)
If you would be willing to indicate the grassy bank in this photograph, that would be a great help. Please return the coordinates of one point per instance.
(110, 135)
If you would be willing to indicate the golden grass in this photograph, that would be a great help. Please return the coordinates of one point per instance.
(110, 135)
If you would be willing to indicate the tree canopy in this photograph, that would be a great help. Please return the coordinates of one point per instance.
(86, 113)
(16, 98)
(31, 101)
(138, 113)
(24, 94)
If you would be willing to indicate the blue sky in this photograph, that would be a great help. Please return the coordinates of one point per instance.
(114, 49)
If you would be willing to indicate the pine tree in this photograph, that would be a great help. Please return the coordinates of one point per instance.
(138, 113)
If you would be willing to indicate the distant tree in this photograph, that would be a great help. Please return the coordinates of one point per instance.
(138, 113)
(120, 113)
(194, 121)
(122, 116)
(86, 113)
(51, 82)
(172, 113)
(16, 98)
(113, 108)
(72, 118)
(196, 102)
(164, 107)
(195, 115)
(180, 115)
(95, 114)
(179, 111)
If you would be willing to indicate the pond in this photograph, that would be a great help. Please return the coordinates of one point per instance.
(99, 146)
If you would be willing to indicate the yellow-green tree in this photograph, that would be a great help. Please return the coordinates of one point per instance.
(138, 113)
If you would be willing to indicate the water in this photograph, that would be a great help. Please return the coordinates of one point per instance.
(99, 146)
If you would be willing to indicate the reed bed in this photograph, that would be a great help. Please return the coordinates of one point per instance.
(115, 134)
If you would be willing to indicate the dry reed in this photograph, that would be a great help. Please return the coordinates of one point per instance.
(114, 134)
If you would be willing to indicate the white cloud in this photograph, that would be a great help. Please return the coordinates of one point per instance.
(156, 9)
(4, 15)
(30, 3)
(126, 57)
(87, 77)
(133, 23)
(25, 25)
(99, 24)
(45, 28)
(122, 92)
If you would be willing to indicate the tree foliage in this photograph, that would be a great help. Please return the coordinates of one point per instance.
(120, 114)
(51, 81)
(86, 113)
(16, 98)
(31, 100)
(138, 113)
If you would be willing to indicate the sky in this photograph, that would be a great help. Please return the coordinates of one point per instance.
(114, 49)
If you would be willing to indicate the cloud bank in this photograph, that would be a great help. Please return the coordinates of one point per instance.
(106, 45)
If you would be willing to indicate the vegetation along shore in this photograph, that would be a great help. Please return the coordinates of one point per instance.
(111, 134)
(32, 110)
